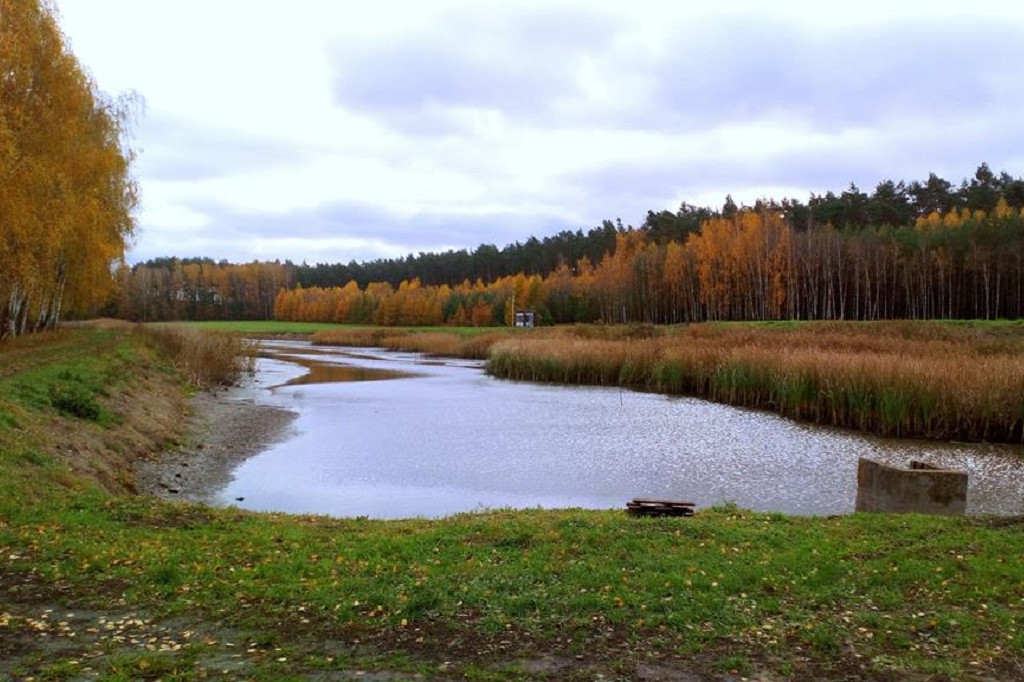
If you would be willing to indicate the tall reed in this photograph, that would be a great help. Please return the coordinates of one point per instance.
(205, 358)
(447, 344)
(893, 379)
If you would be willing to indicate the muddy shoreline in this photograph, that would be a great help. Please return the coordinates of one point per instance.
(223, 428)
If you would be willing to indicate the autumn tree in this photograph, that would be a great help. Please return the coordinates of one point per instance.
(66, 195)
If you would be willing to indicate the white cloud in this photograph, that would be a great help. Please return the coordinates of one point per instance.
(333, 131)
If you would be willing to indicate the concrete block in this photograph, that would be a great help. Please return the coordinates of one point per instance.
(921, 489)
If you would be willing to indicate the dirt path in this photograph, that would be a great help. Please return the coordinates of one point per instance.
(224, 428)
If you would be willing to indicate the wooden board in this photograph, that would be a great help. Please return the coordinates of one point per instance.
(640, 507)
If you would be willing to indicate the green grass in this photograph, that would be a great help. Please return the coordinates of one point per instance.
(270, 596)
(276, 327)
(1009, 325)
(740, 588)
(257, 326)
(67, 376)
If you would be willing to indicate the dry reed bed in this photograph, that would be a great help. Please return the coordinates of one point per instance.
(891, 379)
(205, 358)
(446, 344)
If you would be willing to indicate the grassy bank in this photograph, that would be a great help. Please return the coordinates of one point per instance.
(77, 404)
(120, 587)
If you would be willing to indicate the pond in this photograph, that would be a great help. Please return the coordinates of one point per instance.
(392, 435)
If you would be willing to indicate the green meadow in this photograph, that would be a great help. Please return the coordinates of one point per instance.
(272, 327)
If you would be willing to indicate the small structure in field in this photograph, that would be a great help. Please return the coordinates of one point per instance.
(921, 489)
(524, 318)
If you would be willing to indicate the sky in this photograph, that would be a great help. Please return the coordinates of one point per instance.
(334, 130)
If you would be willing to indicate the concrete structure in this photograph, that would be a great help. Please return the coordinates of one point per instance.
(921, 489)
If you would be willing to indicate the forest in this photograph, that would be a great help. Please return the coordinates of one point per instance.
(66, 193)
(918, 250)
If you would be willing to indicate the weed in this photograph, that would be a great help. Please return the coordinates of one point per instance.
(35, 458)
(7, 420)
(734, 664)
(167, 575)
(75, 399)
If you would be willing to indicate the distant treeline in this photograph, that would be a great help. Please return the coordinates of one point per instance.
(919, 250)
(892, 203)
(750, 266)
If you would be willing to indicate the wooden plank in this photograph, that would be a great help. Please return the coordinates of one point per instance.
(642, 507)
(661, 511)
(670, 503)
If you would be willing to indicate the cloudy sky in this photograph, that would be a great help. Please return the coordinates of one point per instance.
(336, 130)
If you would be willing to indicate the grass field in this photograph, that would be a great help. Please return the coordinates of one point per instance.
(274, 327)
(256, 326)
(122, 587)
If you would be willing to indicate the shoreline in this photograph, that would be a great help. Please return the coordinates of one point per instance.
(223, 428)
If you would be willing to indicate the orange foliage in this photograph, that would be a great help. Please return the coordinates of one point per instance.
(750, 266)
(66, 195)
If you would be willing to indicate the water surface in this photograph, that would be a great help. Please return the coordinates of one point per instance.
(418, 437)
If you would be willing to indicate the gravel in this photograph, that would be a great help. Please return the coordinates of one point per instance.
(224, 428)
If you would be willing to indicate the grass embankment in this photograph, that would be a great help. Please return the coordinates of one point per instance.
(82, 398)
(124, 587)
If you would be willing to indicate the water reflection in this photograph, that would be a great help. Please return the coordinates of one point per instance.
(446, 438)
(318, 372)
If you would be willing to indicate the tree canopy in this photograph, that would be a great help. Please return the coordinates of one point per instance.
(892, 203)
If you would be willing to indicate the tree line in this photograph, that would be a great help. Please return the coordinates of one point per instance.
(198, 289)
(917, 250)
(66, 194)
(751, 265)
(893, 203)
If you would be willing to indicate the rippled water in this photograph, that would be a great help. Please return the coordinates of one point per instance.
(442, 437)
